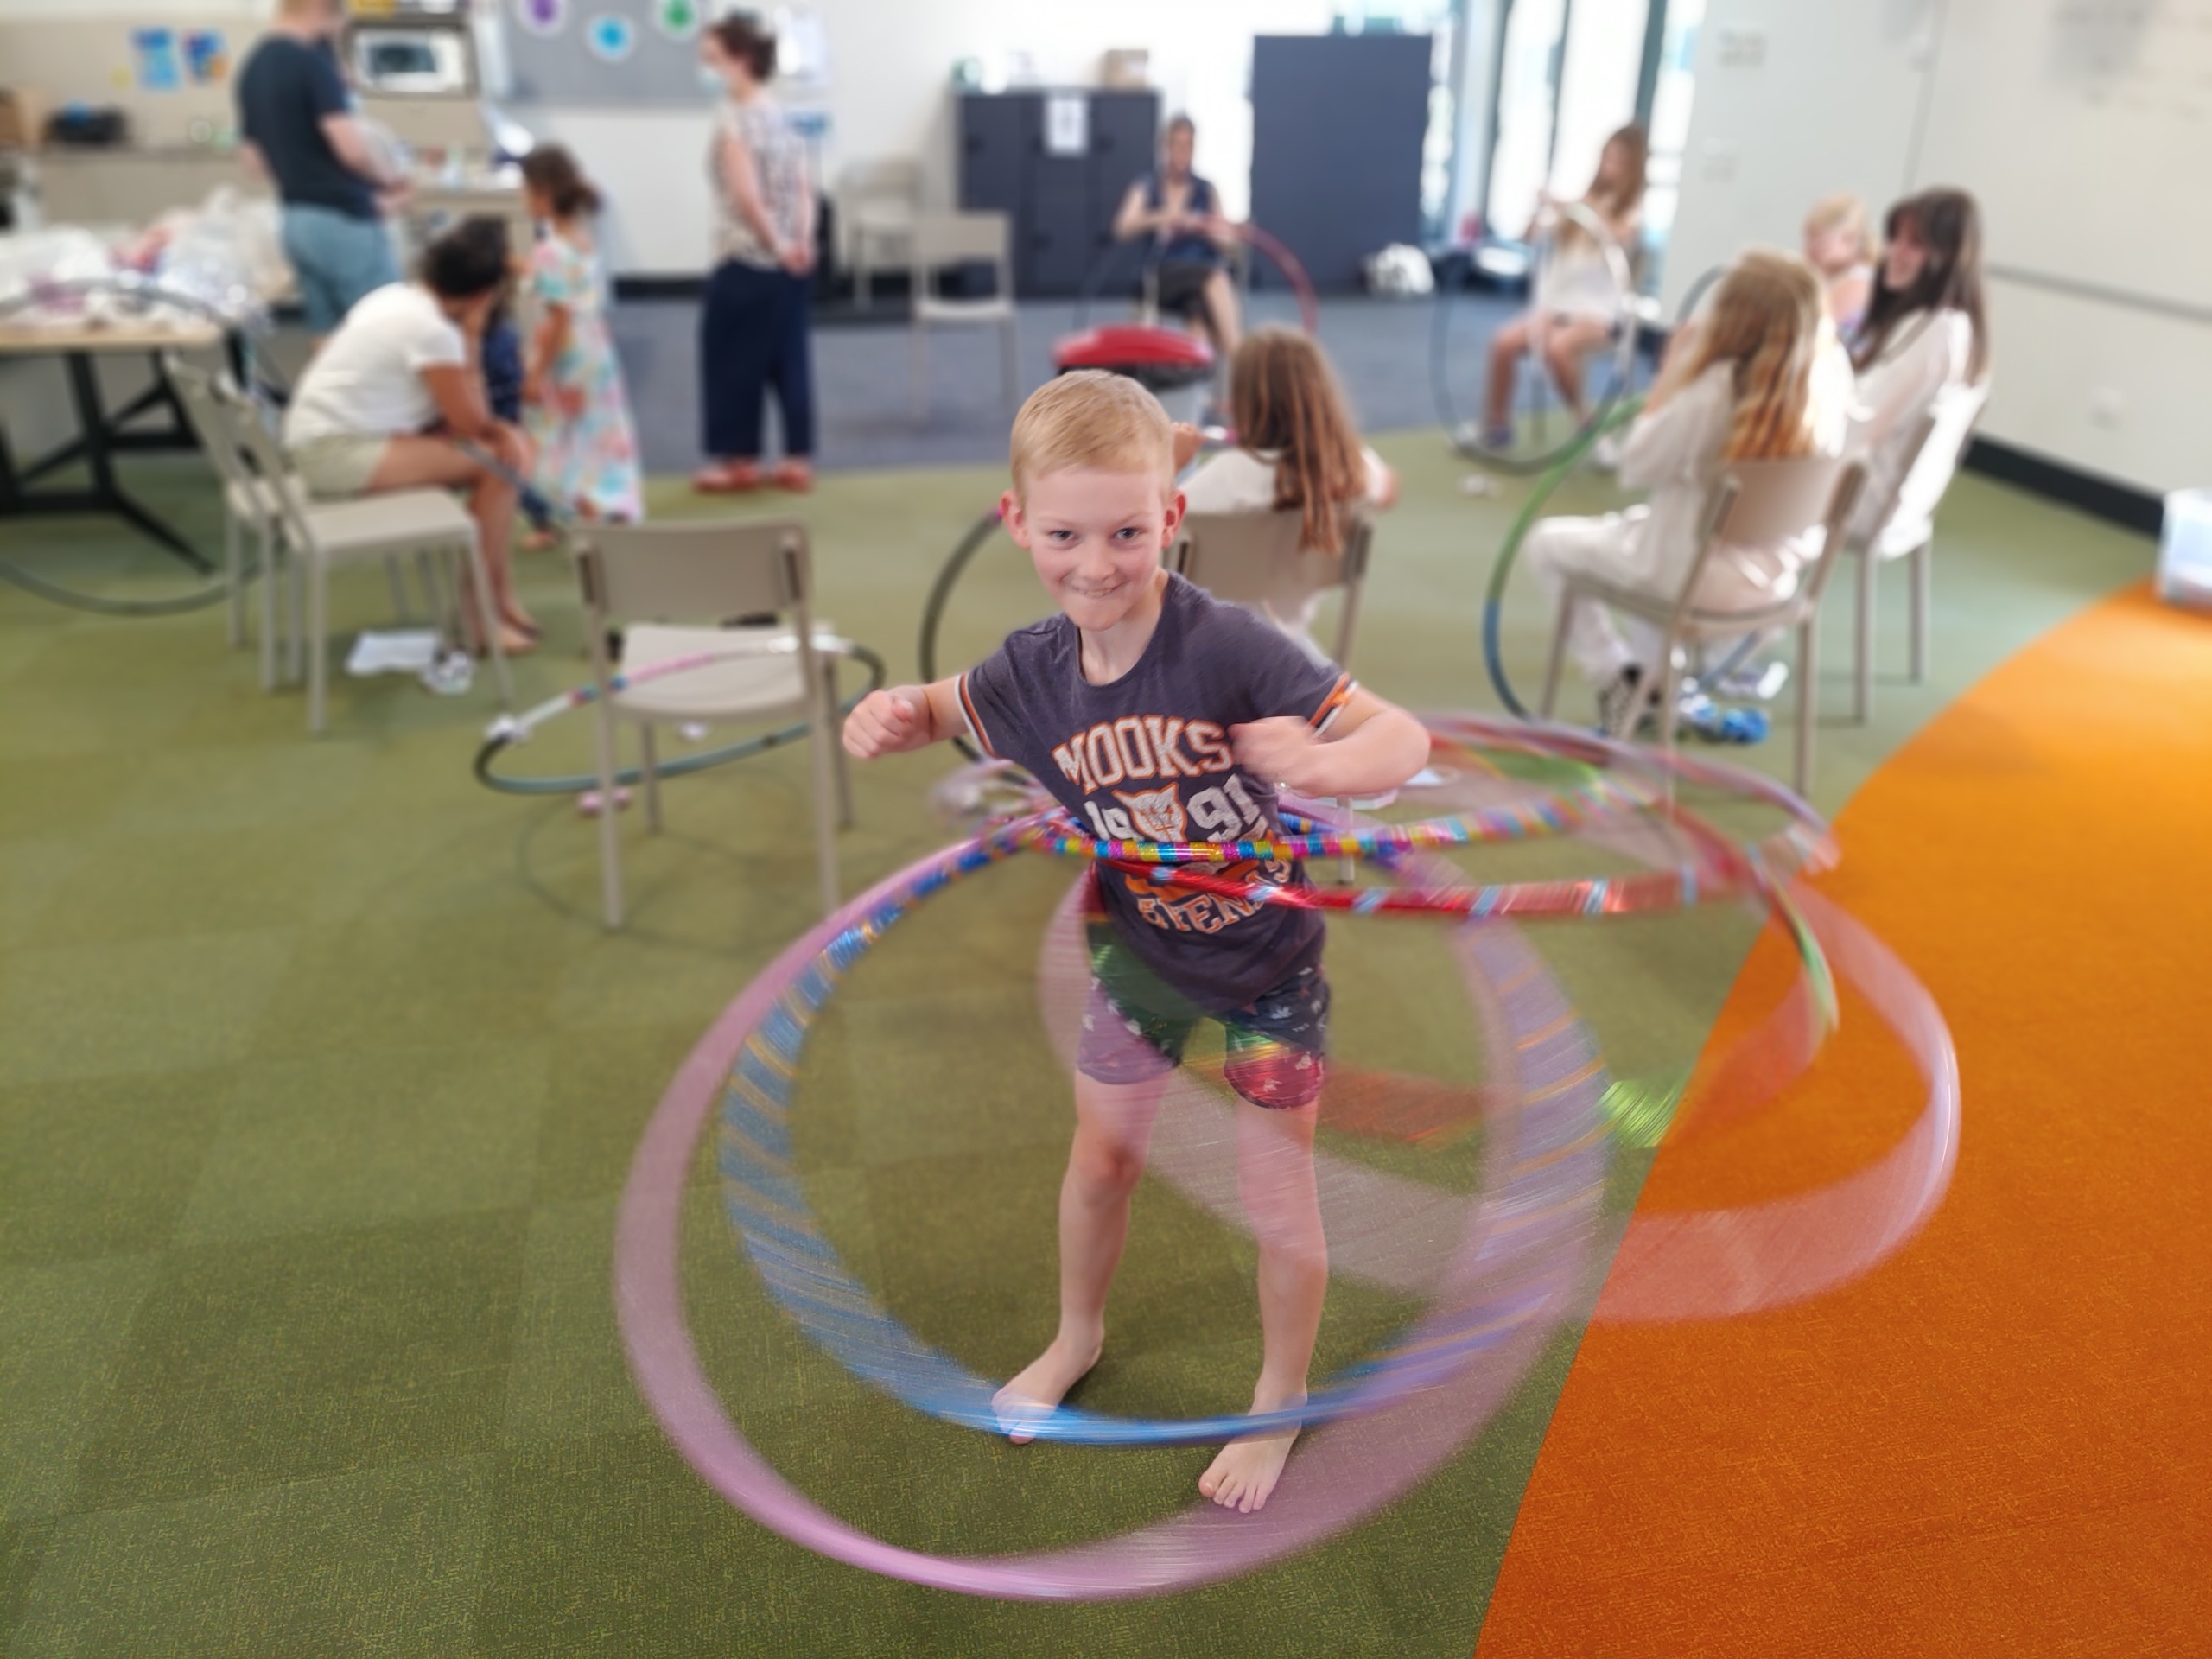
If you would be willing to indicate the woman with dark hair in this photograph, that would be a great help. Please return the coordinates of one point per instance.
(1182, 213)
(1923, 347)
(752, 328)
(381, 402)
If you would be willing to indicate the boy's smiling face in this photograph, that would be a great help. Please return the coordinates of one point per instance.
(1095, 538)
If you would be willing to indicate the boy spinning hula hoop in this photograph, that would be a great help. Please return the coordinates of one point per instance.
(1151, 710)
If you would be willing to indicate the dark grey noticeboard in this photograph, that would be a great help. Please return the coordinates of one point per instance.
(562, 65)
(1336, 127)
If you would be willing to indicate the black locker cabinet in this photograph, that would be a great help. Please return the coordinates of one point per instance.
(1062, 207)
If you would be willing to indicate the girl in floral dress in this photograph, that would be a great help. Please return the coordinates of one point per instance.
(575, 409)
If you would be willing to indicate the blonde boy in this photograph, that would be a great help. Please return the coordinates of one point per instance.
(1150, 710)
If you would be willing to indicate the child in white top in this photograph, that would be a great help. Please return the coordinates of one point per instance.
(1574, 309)
(1924, 348)
(1297, 448)
(1760, 376)
(1840, 245)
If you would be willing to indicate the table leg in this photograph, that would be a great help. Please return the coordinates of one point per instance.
(84, 385)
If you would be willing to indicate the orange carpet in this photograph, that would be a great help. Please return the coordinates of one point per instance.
(2000, 1440)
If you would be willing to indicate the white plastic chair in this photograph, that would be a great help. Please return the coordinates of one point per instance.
(1931, 459)
(641, 579)
(877, 202)
(1754, 501)
(1259, 559)
(942, 239)
(318, 536)
(209, 401)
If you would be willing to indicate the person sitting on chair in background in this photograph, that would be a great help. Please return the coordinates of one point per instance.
(752, 328)
(1760, 376)
(1298, 448)
(381, 407)
(500, 358)
(1181, 212)
(298, 129)
(1924, 345)
(1577, 302)
(1840, 245)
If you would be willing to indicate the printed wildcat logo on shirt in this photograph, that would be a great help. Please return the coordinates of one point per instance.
(1127, 773)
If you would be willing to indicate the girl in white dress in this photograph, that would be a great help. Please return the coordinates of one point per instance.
(1577, 303)
(1923, 347)
(1760, 376)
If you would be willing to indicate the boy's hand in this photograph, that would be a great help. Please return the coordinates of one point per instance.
(1188, 442)
(886, 722)
(1278, 750)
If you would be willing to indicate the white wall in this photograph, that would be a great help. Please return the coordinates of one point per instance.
(1799, 98)
(888, 95)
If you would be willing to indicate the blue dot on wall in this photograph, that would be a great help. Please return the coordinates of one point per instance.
(612, 37)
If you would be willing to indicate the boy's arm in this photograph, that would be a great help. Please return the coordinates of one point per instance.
(1370, 747)
(904, 717)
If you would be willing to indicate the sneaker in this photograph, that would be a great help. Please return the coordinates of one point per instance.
(1499, 438)
(1760, 683)
(1615, 697)
(1605, 454)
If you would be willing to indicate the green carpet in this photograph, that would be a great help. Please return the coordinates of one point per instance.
(318, 1080)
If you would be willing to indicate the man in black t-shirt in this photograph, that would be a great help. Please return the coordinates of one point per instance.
(301, 131)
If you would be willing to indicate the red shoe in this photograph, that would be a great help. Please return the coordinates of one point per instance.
(727, 477)
(797, 476)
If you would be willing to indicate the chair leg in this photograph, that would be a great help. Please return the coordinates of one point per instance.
(610, 842)
(271, 576)
(297, 568)
(395, 575)
(649, 771)
(1566, 603)
(1862, 640)
(1011, 353)
(318, 632)
(231, 577)
(1924, 573)
(821, 741)
(921, 373)
(1808, 703)
(838, 749)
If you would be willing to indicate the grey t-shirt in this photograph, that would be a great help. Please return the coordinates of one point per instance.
(1148, 756)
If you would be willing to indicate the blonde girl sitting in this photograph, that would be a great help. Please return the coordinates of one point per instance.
(1761, 376)
(1297, 448)
(1839, 246)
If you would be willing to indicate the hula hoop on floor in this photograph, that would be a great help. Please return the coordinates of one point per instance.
(510, 730)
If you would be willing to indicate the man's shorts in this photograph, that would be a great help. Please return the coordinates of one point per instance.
(1135, 1026)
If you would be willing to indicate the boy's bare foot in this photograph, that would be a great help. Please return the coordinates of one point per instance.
(1037, 1389)
(1246, 1471)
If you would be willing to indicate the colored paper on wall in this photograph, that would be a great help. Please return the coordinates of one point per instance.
(205, 58)
(612, 37)
(153, 58)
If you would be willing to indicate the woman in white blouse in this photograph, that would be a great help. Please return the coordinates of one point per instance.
(1923, 347)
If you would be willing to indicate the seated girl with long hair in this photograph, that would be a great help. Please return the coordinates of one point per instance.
(1297, 448)
(1760, 376)
(1923, 348)
(1575, 305)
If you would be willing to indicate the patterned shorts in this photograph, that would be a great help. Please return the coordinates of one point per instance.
(1135, 1027)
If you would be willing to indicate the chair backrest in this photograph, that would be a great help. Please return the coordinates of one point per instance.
(1252, 558)
(942, 239)
(251, 431)
(712, 570)
(1946, 428)
(888, 178)
(1758, 501)
(1774, 500)
(197, 391)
